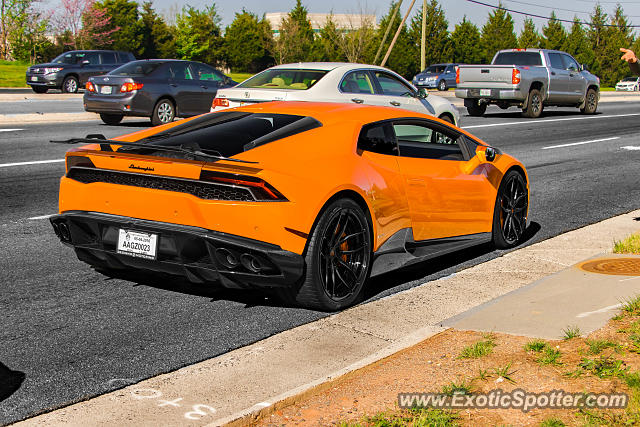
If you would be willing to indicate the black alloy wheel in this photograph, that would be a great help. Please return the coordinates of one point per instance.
(510, 212)
(338, 259)
(442, 86)
(534, 106)
(590, 103)
(70, 85)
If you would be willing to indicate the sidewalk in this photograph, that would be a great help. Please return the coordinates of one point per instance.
(285, 368)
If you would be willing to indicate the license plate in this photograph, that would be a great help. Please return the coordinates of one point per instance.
(34, 78)
(137, 244)
(485, 92)
(105, 90)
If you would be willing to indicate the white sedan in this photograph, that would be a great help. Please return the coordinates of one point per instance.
(629, 84)
(335, 82)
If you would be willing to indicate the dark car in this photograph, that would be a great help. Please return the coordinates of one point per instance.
(441, 76)
(71, 70)
(161, 89)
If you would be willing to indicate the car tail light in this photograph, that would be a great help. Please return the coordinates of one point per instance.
(130, 87)
(457, 75)
(220, 102)
(262, 190)
(79, 161)
(515, 76)
(90, 87)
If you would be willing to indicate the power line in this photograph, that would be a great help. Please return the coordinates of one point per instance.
(559, 8)
(548, 18)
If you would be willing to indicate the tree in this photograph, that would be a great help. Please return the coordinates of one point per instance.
(198, 35)
(497, 33)
(157, 37)
(326, 45)
(529, 37)
(616, 36)
(86, 24)
(438, 43)
(294, 41)
(555, 36)
(246, 43)
(578, 44)
(22, 29)
(597, 34)
(123, 14)
(465, 43)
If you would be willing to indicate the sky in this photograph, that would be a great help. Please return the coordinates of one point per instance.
(454, 9)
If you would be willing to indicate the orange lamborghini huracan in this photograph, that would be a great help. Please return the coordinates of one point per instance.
(309, 199)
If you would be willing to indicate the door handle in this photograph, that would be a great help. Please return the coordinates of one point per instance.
(357, 100)
(173, 85)
(394, 103)
(204, 87)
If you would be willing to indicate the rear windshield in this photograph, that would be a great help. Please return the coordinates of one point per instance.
(518, 58)
(136, 68)
(435, 69)
(284, 79)
(228, 133)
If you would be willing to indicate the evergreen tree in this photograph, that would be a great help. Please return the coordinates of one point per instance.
(529, 36)
(578, 44)
(326, 46)
(497, 33)
(246, 43)
(465, 43)
(294, 42)
(555, 36)
(438, 42)
(198, 35)
(123, 14)
(617, 35)
(157, 37)
(597, 34)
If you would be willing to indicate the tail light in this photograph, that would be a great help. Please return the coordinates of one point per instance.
(220, 102)
(262, 190)
(515, 76)
(79, 161)
(457, 75)
(130, 87)
(90, 87)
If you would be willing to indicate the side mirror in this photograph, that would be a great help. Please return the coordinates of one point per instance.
(583, 67)
(423, 93)
(490, 154)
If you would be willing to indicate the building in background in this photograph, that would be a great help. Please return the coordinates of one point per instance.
(343, 21)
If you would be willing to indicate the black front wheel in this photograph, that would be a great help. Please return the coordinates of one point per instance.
(590, 102)
(510, 211)
(337, 259)
(70, 85)
(442, 86)
(111, 119)
(40, 89)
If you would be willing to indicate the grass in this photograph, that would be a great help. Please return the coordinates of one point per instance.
(550, 356)
(12, 74)
(571, 332)
(478, 349)
(631, 305)
(239, 77)
(535, 346)
(417, 417)
(463, 387)
(552, 422)
(604, 367)
(504, 373)
(598, 346)
(630, 245)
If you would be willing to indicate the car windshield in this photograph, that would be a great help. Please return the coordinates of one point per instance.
(518, 58)
(284, 79)
(65, 58)
(435, 69)
(228, 133)
(630, 79)
(136, 68)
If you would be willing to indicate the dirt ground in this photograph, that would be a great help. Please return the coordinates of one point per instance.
(434, 363)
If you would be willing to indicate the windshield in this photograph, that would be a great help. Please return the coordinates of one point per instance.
(65, 58)
(136, 68)
(518, 58)
(630, 79)
(284, 79)
(228, 133)
(435, 69)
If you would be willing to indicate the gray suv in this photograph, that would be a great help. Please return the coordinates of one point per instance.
(71, 70)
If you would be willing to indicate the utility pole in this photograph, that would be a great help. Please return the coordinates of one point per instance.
(386, 33)
(393, 42)
(423, 46)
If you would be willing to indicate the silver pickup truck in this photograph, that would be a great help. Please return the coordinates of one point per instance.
(530, 79)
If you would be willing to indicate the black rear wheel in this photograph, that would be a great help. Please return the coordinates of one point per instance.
(534, 106)
(338, 259)
(111, 119)
(510, 211)
(475, 108)
(163, 113)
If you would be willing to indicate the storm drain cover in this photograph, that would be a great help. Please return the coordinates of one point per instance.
(616, 266)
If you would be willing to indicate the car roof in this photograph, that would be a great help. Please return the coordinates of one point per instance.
(326, 66)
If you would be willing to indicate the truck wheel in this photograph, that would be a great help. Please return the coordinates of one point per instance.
(111, 119)
(534, 105)
(70, 85)
(475, 108)
(590, 103)
(442, 86)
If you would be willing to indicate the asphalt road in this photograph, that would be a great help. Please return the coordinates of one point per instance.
(32, 104)
(69, 333)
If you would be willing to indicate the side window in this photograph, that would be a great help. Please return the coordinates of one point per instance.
(108, 57)
(556, 61)
(422, 141)
(391, 85)
(377, 138)
(357, 82)
(570, 63)
(92, 57)
(180, 71)
(205, 73)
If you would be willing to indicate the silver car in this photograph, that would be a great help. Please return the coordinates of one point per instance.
(629, 84)
(335, 82)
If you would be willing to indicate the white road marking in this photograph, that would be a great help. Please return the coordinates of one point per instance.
(602, 310)
(531, 122)
(631, 147)
(40, 217)
(629, 278)
(37, 162)
(581, 143)
(10, 130)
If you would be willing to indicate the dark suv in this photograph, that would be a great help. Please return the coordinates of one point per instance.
(71, 70)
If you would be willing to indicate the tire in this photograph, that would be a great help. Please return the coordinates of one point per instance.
(475, 108)
(447, 118)
(111, 119)
(590, 102)
(534, 106)
(164, 112)
(442, 86)
(510, 211)
(40, 89)
(70, 85)
(334, 274)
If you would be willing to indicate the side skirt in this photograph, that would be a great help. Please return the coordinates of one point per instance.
(401, 250)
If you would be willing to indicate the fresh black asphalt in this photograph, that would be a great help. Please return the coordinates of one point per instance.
(68, 333)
